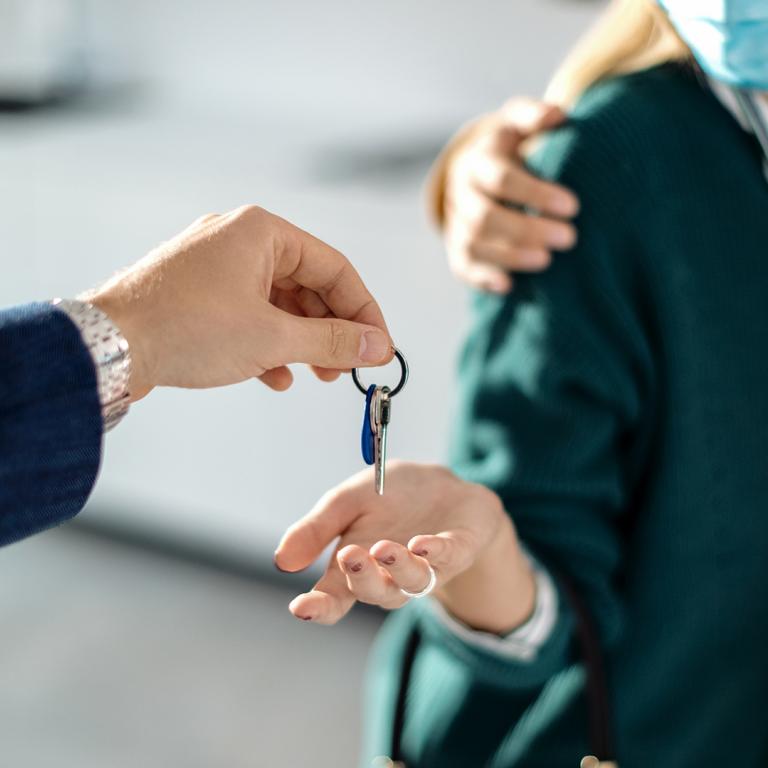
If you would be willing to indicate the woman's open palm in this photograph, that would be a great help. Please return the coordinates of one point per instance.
(427, 517)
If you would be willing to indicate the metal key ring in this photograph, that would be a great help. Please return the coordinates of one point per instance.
(401, 383)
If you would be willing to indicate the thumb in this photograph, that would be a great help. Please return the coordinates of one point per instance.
(518, 120)
(528, 117)
(331, 343)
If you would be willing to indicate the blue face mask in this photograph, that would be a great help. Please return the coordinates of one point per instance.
(729, 38)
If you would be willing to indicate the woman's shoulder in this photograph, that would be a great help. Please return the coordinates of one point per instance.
(624, 125)
(644, 95)
(619, 152)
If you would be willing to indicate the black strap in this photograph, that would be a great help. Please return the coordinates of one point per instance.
(409, 656)
(598, 700)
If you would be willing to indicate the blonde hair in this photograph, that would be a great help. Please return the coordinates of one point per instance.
(630, 36)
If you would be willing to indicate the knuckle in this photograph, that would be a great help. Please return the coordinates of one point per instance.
(205, 219)
(250, 213)
(336, 339)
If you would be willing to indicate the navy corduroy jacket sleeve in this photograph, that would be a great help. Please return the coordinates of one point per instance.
(50, 421)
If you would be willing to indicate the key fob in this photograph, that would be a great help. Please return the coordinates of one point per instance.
(368, 439)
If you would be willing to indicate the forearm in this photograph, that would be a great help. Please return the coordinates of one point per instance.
(50, 421)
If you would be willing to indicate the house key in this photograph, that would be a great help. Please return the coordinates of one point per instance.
(376, 418)
(381, 410)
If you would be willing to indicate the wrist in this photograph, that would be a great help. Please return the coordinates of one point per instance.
(109, 353)
(127, 316)
(497, 593)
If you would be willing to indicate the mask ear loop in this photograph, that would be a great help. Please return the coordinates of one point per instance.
(404, 372)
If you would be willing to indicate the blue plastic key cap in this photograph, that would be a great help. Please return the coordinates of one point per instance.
(368, 439)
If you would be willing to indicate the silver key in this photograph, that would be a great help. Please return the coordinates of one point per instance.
(376, 420)
(381, 410)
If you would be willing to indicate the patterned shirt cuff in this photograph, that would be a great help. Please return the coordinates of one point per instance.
(523, 643)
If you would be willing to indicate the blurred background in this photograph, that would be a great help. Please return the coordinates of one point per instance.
(153, 631)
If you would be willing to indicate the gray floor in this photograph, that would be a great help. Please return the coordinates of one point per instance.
(115, 656)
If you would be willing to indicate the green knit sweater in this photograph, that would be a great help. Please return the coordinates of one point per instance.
(618, 403)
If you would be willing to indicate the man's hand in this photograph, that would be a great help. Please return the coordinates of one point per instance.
(428, 517)
(239, 296)
(486, 200)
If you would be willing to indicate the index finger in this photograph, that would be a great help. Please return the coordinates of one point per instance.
(328, 601)
(510, 181)
(323, 269)
(529, 116)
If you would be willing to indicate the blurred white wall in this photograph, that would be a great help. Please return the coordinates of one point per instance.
(326, 112)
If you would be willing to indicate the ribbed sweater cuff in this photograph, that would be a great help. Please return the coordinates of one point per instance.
(496, 669)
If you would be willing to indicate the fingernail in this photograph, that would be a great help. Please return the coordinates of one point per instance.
(387, 560)
(564, 205)
(277, 565)
(374, 346)
(355, 567)
(562, 237)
